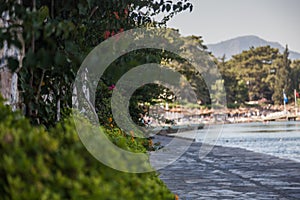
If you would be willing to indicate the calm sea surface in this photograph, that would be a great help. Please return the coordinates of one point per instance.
(281, 139)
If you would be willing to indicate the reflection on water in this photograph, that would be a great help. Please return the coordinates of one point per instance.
(280, 139)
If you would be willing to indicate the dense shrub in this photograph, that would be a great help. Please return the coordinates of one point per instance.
(40, 164)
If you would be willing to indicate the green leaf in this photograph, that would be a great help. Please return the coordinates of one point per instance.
(191, 8)
(49, 29)
(168, 7)
(82, 9)
(13, 63)
(59, 58)
(30, 59)
(45, 58)
(43, 13)
(175, 7)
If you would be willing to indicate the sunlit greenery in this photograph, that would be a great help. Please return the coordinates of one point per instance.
(40, 164)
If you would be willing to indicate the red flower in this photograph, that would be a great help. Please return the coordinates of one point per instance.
(116, 15)
(111, 87)
(126, 12)
(106, 34)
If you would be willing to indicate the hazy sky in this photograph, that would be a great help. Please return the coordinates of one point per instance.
(219, 20)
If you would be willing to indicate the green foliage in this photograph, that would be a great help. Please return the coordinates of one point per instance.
(260, 72)
(36, 164)
(295, 75)
(149, 93)
(102, 104)
(282, 79)
(252, 67)
(57, 35)
(123, 64)
(218, 93)
(192, 45)
(233, 105)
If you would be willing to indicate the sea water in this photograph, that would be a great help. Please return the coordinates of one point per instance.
(281, 139)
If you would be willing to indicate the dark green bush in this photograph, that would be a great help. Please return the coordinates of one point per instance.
(40, 164)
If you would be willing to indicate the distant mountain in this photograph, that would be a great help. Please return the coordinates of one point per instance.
(238, 45)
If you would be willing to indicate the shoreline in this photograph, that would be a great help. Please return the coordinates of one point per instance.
(163, 129)
(224, 146)
(278, 139)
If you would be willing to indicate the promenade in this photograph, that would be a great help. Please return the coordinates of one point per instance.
(231, 173)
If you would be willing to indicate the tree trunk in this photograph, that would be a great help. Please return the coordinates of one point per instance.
(5, 83)
(9, 80)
